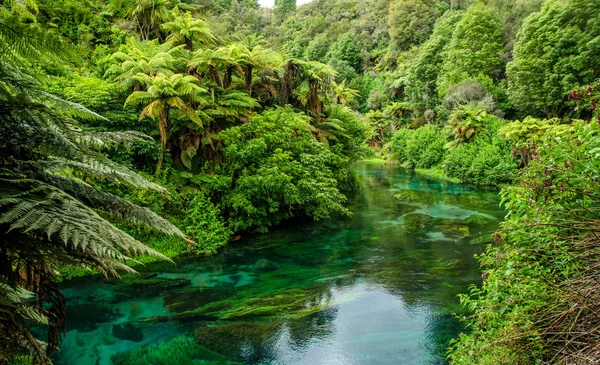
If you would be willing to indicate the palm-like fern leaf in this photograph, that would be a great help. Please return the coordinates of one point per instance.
(49, 215)
(32, 206)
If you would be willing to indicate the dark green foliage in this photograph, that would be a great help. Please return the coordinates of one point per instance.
(99, 96)
(557, 51)
(278, 170)
(346, 49)
(345, 72)
(425, 148)
(398, 144)
(477, 153)
(410, 22)
(203, 222)
(481, 164)
(349, 140)
(469, 149)
(474, 49)
(317, 49)
(50, 212)
(425, 69)
(422, 148)
(285, 6)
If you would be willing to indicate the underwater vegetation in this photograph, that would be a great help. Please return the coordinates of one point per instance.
(182, 350)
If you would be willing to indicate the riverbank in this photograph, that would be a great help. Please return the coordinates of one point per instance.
(173, 247)
(539, 300)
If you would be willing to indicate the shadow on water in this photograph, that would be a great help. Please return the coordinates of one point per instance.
(379, 287)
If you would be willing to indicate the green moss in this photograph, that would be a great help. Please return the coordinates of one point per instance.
(455, 230)
(479, 220)
(417, 223)
(188, 299)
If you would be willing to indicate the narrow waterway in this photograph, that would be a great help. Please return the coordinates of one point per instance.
(379, 287)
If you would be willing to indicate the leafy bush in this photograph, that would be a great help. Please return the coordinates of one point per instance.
(484, 158)
(353, 132)
(425, 148)
(491, 166)
(398, 144)
(278, 170)
(540, 289)
(458, 161)
(99, 96)
(204, 224)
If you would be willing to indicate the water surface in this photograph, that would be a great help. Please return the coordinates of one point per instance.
(379, 287)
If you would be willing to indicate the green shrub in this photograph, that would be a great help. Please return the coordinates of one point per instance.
(278, 170)
(425, 148)
(398, 144)
(539, 287)
(203, 223)
(458, 161)
(491, 166)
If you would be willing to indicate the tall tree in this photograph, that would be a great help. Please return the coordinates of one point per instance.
(149, 14)
(557, 51)
(141, 60)
(165, 93)
(410, 22)
(346, 49)
(285, 6)
(424, 71)
(474, 50)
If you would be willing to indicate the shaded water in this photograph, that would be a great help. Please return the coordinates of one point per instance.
(379, 287)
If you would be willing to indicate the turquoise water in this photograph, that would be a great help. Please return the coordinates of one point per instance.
(379, 287)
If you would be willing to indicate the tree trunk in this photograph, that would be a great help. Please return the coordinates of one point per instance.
(189, 44)
(286, 84)
(248, 79)
(228, 77)
(163, 126)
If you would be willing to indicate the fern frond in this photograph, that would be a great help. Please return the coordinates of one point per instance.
(50, 211)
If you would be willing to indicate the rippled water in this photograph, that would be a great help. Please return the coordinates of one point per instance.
(379, 287)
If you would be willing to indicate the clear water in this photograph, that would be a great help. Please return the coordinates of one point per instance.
(379, 287)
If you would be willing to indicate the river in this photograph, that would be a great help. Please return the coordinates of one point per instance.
(379, 287)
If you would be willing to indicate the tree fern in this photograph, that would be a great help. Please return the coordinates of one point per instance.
(50, 212)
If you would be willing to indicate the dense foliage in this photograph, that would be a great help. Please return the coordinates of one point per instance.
(538, 299)
(207, 119)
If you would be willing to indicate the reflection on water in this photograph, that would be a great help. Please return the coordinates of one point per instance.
(379, 287)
